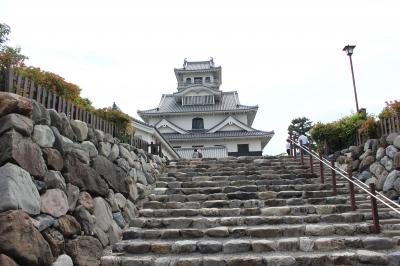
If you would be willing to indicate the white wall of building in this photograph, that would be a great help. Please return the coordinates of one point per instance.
(185, 121)
(231, 145)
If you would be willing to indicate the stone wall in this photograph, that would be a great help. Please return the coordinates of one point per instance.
(66, 190)
(378, 162)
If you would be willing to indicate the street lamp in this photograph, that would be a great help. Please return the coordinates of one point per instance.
(349, 49)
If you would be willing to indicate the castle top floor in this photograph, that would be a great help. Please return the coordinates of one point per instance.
(198, 73)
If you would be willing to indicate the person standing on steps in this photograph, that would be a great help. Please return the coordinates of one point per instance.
(288, 147)
(303, 140)
(196, 154)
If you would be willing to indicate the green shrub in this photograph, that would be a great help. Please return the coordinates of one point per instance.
(338, 134)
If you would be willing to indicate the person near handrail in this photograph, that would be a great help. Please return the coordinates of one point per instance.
(288, 146)
(303, 140)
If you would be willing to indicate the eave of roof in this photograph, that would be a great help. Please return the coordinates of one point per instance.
(218, 135)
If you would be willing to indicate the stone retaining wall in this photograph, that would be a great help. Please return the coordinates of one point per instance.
(66, 190)
(378, 162)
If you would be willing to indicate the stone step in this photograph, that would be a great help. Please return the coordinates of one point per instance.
(251, 190)
(245, 244)
(267, 195)
(359, 257)
(253, 203)
(266, 231)
(237, 184)
(209, 222)
(266, 211)
(290, 177)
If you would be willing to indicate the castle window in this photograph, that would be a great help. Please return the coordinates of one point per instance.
(198, 100)
(197, 123)
(198, 80)
(188, 80)
(208, 80)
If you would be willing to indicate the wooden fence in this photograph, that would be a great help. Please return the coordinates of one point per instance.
(384, 127)
(11, 81)
(18, 84)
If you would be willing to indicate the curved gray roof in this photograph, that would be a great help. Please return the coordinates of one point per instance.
(229, 102)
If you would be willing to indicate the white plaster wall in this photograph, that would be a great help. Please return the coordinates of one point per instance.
(230, 128)
(199, 92)
(166, 130)
(210, 121)
(231, 145)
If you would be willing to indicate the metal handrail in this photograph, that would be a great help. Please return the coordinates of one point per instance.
(340, 172)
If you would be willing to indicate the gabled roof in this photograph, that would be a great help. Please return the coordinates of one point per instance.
(228, 121)
(171, 125)
(168, 105)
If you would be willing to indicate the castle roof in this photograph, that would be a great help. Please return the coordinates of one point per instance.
(229, 103)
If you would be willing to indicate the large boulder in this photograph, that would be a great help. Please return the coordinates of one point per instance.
(15, 148)
(84, 251)
(84, 177)
(17, 191)
(54, 179)
(80, 129)
(371, 144)
(104, 148)
(380, 173)
(85, 219)
(103, 214)
(114, 175)
(390, 180)
(63, 260)
(53, 159)
(40, 115)
(89, 148)
(61, 122)
(387, 163)
(396, 142)
(366, 162)
(86, 201)
(68, 225)
(380, 153)
(7, 261)
(43, 135)
(13, 103)
(55, 240)
(391, 151)
(364, 175)
(20, 240)
(19, 123)
(396, 161)
(114, 153)
(72, 196)
(391, 137)
(54, 202)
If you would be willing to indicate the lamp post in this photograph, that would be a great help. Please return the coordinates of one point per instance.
(349, 49)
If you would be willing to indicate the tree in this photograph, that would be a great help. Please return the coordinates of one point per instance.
(9, 56)
(300, 125)
(4, 31)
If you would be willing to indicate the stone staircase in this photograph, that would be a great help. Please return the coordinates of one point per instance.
(254, 211)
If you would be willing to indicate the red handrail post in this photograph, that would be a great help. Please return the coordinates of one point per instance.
(334, 189)
(301, 153)
(311, 159)
(375, 216)
(351, 188)
(291, 146)
(321, 168)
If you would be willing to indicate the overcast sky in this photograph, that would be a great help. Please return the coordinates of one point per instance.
(285, 56)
